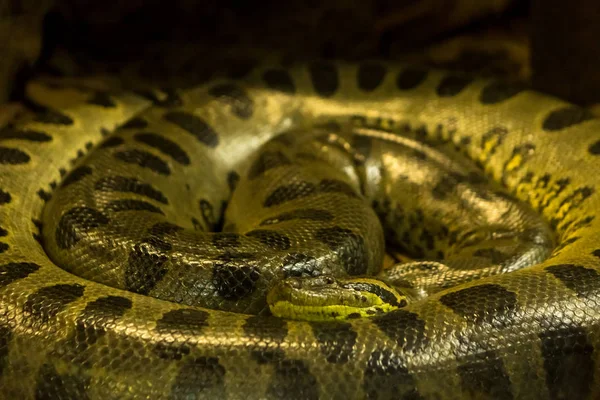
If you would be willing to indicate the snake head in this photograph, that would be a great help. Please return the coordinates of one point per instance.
(326, 298)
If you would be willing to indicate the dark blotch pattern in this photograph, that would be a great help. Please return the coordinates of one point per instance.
(52, 385)
(144, 160)
(497, 92)
(241, 104)
(5, 197)
(583, 281)
(15, 271)
(194, 125)
(234, 277)
(145, 265)
(403, 327)
(299, 264)
(50, 300)
(130, 185)
(3, 247)
(272, 239)
(483, 303)
(102, 99)
(410, 78)
(135, 123)
(76, 222)
(104, 311)
(266, 161)
(28, 135)
(202, 378)
(324, 78)
(290, 192)
(594, 148)
(566, 117)
(232, 180)
(336, 186)
(292, 380)
(349, 246)
(165, 146)
(279, 79)
(8, 155)
(226, 240)
(336, 341)
(483, 375)
(569, 363)
(76, 175)
(312, 214)
(132, 205)
(387, 377)
(370, 75)
(5, 337)
(452, 85)
(183, 321)
(208, 214)
(54, 117)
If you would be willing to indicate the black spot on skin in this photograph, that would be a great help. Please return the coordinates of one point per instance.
(3, 232)
(89, 145)
(232, 180)
(76, 175)
(208, 214)
(279, 79)
(336, 341)
(11, 156)
(290, 192)
(569, 363)
(52, 385)
(194, 125)
(53, 117)
(336, 186)
(164, 145)
(5, 337)
(112, 142)
(483, 375)
(202, 378)
(130, 185)
(349, 247)
(13, 272)
(102, 99)
(132, 205)
(488, 303)
(445, 186)
(497, 92)
(44, 195)
(403, 327)
(370, 75)
(5, 197)
(234, 277)
(3, 247)
(104, 311)
(164, 228)
(272, 239)
(312, 214)
(241, 104)
(299, 265)
(144, 268)
(566, 117)
(226, 240)
(594, 148)
(144, 160)
(292, 380)
(135, 123)
(410, 78)
(167, 350)
(50, 300)
(75, 223)
(583, 281)
(269, 329)
(267, 160)
(452, 85)
(183, 321)
(386, 376)
(28, 135)
(324, 77)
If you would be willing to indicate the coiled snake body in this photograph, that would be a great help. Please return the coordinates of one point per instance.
(510, 317)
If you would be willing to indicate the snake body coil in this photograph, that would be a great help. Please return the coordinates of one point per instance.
(132, 215)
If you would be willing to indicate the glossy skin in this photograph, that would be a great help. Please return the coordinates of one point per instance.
(516, 334)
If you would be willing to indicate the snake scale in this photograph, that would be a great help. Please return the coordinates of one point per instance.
(277, 139)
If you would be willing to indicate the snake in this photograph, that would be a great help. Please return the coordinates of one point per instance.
(225, 241)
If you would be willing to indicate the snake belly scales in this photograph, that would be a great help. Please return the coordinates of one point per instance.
(133, 213)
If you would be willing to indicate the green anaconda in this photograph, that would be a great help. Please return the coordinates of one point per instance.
(96, 223)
